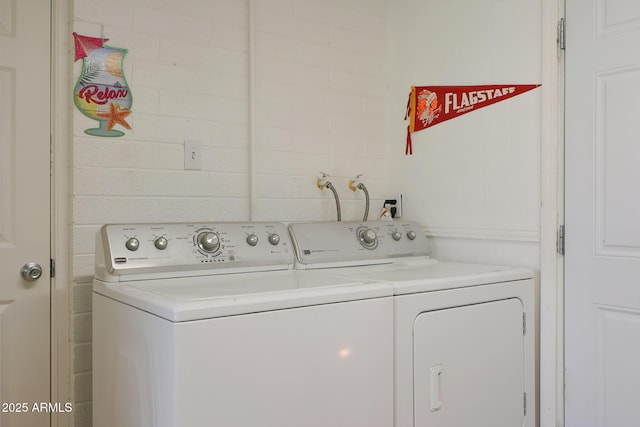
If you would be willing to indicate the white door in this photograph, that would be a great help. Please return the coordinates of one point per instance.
(24, 211)
(602, 261)
(469, 366)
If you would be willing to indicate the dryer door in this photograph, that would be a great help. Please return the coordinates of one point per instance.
(469, 366)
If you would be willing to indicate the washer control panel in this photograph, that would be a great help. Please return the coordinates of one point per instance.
(178, 249)
(352, 243)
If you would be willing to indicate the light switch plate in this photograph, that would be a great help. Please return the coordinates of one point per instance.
(193, 155)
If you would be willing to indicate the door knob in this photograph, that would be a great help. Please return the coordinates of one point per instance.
(31, 271)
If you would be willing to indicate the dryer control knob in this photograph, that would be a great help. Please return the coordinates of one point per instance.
(252, 239)
(208, 241)
(411, 235)
(396, 235)
(161, 243)
(274, 239)
(368, 236)
(132, 244)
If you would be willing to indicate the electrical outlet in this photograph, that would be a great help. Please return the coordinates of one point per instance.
(398, 206)
(394, 204)
(193, 155)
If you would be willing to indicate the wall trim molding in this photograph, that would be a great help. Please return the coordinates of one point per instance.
(531, 235)
(61, 154)
(551, 354)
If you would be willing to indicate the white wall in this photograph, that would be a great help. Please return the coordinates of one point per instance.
(320, 97)
(473, 182)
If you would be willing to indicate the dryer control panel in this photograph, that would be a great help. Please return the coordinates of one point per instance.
(189, 249)
(324, 244)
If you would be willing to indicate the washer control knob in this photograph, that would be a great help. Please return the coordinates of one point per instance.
(208, 241)
(132, 244)
(274, 239)
(161, 243)
(411, 235)
(252, 239)
(396, 235)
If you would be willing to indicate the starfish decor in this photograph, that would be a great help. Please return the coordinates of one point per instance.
(116, 116)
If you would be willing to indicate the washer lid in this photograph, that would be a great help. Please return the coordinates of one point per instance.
(197, 298)
(430, 275)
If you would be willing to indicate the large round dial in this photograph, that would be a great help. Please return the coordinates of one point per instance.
(208, 241)
(411, 234)
(367, 238)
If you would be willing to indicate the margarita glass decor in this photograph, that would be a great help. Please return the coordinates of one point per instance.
(101, 92)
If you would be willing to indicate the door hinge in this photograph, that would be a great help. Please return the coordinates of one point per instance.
(524, 323)
(561, 34)
(525, 404)
(561, 240)
(52, 267)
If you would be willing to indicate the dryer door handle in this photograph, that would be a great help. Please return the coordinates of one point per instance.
(435, 378)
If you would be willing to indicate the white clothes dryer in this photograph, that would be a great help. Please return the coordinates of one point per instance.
(208, 324)
(464, 333)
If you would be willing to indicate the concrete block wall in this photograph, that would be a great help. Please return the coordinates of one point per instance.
(321, 86)
(320, 91)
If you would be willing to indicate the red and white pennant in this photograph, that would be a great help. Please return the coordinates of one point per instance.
(430, 105)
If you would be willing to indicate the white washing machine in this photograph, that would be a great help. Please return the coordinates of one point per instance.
(464, 333)
(209, 325)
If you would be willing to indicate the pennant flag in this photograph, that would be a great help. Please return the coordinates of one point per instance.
(430, 105)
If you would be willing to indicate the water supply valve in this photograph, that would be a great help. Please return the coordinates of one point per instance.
(356, 184)
(323, 182)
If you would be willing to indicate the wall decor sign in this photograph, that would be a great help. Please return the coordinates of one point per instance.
(431, 105)
(101, 92)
